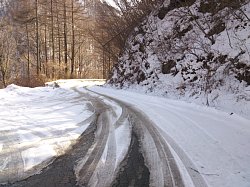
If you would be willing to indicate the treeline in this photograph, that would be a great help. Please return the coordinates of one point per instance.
(52, 39)
(44, 38)
(115, 26)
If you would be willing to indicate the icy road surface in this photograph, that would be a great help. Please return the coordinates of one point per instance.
(124, 139)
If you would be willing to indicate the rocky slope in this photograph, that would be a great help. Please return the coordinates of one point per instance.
(194, 50)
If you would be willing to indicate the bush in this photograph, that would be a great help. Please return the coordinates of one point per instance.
(32, 81)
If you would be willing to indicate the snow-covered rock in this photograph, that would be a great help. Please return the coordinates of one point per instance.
(198, 51)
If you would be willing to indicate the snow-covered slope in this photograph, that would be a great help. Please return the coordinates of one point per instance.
(197, 50)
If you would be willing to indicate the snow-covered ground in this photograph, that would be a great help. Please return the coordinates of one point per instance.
(42, 122)
(172, 56)
(39, 123)
(216, 142)
(117, 144)
(69, 83)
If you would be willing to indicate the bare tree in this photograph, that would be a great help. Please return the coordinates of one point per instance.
(7, 52)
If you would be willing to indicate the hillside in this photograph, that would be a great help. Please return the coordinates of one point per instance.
(193, 50)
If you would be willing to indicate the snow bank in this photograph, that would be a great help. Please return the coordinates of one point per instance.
(67, 83)
(39, 123)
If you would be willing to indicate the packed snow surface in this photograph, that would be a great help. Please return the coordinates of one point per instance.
(40, 123)
(116, 147)
(216, 142)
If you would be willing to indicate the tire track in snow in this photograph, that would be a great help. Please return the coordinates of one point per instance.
(93, 158)
(211, 143)
(107, 174)
(102, 176)
(172, 177)
(104, 137)
(141, 123)
(197, 178)
(132, 170)
(104, 169)
(12, 167)
(129, 172)
(61, 171)
(208, 138)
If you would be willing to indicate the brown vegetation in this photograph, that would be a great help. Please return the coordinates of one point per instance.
(64, 38)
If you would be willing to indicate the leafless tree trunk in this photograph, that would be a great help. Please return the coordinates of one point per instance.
(37, 41)
(65, 38)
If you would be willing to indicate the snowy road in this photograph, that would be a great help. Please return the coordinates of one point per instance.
(131, 139)
(209, 146)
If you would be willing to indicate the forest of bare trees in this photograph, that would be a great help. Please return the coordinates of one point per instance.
(50, 39)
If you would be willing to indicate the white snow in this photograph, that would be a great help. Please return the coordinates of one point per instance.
(123, 136)
(117, 144)
(215, 141)
(190, 80)
(183, 170)
(40, 122)
(35, 155)
(69, 83)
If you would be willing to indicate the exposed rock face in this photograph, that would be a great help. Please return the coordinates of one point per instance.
(167, 66)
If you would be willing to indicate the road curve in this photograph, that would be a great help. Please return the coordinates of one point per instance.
(148, 160)
(156, 151)
(130, 172)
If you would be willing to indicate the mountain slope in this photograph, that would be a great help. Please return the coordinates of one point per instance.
(197, 51)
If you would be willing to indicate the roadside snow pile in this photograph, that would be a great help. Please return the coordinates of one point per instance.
(68, 83)
(37, 124)
(195, 50)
